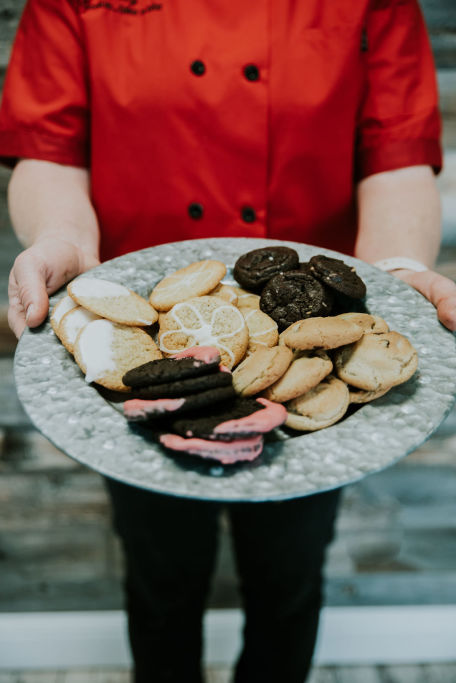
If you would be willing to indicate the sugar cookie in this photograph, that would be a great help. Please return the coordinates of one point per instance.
(112, 301)
(261, 369)
(263, 330)
(63, 306)
(320, 407)
(72, 323)
(320, 333)
(225, 292)
(194, 280)
(303, 374)
(246, 299)
(370, 323)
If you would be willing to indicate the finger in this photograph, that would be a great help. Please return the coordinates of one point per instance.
(440, 291)
(29, 287)
(16, 313)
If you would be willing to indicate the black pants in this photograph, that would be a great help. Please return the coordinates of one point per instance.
(170, 548)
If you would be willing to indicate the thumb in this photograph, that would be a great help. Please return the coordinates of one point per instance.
(28, 283)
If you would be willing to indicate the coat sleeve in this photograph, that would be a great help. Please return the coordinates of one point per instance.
(399, 121)
(44, 112)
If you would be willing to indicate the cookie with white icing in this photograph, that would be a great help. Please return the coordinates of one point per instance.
(72, 323)
(63, 306)
(205, 321)
(304, 373)
(261, 369)
(320, 407)
(112, 301)
(225, 292)
(197, 279)
(263, 330)
(377, 361)
(105, 351)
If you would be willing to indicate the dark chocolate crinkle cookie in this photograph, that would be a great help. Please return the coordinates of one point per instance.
(254, 269)
(165, 370)
(338, 275)
(295, 296)
(184, 387)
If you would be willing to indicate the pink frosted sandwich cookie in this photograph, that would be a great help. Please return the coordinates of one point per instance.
(228, 453)
(112, 301)
(142, 410)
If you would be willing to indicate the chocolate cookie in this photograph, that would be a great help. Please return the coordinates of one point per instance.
(245, 417)
(167, 370)
(139, 410)
(254, 269)
(295, 296)
(184, 387)
(338, 275)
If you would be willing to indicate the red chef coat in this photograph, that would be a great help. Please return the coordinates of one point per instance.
(222, 117)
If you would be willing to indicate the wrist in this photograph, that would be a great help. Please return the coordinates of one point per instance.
(400, 263)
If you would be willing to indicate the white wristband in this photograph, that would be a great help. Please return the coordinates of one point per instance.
(399, 263)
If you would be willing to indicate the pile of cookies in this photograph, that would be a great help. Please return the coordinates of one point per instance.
(189, 403)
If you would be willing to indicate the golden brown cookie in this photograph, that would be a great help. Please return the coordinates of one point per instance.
(194, 280)
(376, 361)
(320, 407)
(263, 330)
(205, 321)
(261, 369)
(303, 374)
(72, 323)
(59, 310)
(112, 301)
(370, 323)
(105, 351)
(361, 396)
(320, 333)
(225, 292)
(246, 299)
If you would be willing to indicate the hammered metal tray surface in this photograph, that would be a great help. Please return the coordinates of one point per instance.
(83, 424)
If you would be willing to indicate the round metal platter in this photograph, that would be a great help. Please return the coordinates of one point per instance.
(83, 424)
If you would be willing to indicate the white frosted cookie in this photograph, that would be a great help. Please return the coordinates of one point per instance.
(225, 292)
(263, 330)
(194, 280)
(320, 333)
(112, 301)
(320, 407)
(370, 323)
(72, 323)
(261, 369)
(105, 351)
(59, 310)
(246, 299)
(303, 374)
(205, 321)
(376, 361)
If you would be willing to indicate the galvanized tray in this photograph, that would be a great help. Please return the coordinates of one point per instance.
(90, 429)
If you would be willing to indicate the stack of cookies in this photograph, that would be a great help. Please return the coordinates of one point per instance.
(189, 403)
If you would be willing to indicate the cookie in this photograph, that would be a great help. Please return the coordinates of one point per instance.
(245, 417)
(320, 333)
(206, 321)
(227, 453)
(376, 361)
(183, 387)
(361, 396)
(294, 296)
(263, 330)
(261, 369)
(105, 351)
(164, 370)
(225, 292)
(338, 275)
(246, 299)
(320, 407)
(194, 280)
(371, 324)
(63, 306)
(72, 323)
(140, 410)
(112, 301)
(254, 269)
(303, 374)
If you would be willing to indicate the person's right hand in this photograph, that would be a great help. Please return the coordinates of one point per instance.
(38, 272)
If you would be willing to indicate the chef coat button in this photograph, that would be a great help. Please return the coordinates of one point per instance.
(248, 214)
(251, 72)
(198, 67)
(195, 211)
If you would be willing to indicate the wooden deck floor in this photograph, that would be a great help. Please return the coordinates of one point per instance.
(423, 673)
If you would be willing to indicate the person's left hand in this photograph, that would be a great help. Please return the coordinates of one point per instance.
(439, 290)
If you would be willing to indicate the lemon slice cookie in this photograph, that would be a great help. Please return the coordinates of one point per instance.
(205, 321)
(105, 351)
(72, 323)
(194, 280)
(112, 301)
(320, 407)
